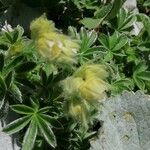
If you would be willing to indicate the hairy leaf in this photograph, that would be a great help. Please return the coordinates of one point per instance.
(22, 109)
(47, 132)
(30, 136)
(17, 125)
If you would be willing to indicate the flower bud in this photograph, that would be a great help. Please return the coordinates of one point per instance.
(52, 45)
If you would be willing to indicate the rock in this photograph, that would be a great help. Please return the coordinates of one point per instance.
(8, 142)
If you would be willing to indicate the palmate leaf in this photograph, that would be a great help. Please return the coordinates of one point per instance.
(124, 21)
(104, 40)
(22, 109)
(47, 132)
(114, 42)
(38, 122)
(30, 135)
(120, 85)
(17, 125)
(122, 41)
(88, 38)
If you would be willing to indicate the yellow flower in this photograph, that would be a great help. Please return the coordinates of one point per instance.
(51, 44)
(91, 70)
(71, 86)
(93, 89)
(85, 87)
(94, 86)
(40, 26)
(76, 110)
(79, 112)
(48, 49)
(87, 83)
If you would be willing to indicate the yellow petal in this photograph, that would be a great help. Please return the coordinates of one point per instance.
(91, 70)
(41, 26)
(93, 89)
(80, 113)
(71, 86)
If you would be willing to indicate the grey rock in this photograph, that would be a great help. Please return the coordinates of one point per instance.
(8, 142)
(130, 5)
(126, 123)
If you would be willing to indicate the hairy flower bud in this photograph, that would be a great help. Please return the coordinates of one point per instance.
(51, 44)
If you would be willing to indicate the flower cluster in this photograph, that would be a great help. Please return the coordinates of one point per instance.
(85, 87)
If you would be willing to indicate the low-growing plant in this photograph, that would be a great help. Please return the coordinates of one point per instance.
(56, 84)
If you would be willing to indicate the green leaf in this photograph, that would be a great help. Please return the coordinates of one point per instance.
(124, 21)
(104, 40)
(144, 46)
(15, 62)
(1, 62)
(144, 75)
(30, 136)
(122, 15)
(17, 125)
(16, 93)
(120, 85)
(20, 31)
(9, 79)
(8, 36)
(47, 132)
(25, 67)
(2, 84)
(146, 22)
(43, 77)
(22, 109)
(128, 23)
(45, 109)
(146, 3)
(108, 56)
(122, 41)
(72, 31)
(35, 104)
(139, 83)
(15, 36)
(87, 38)
(113, 40)
(91, 23)
(103, 11)
(140, 68)
(115, 9)
(52, 121)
